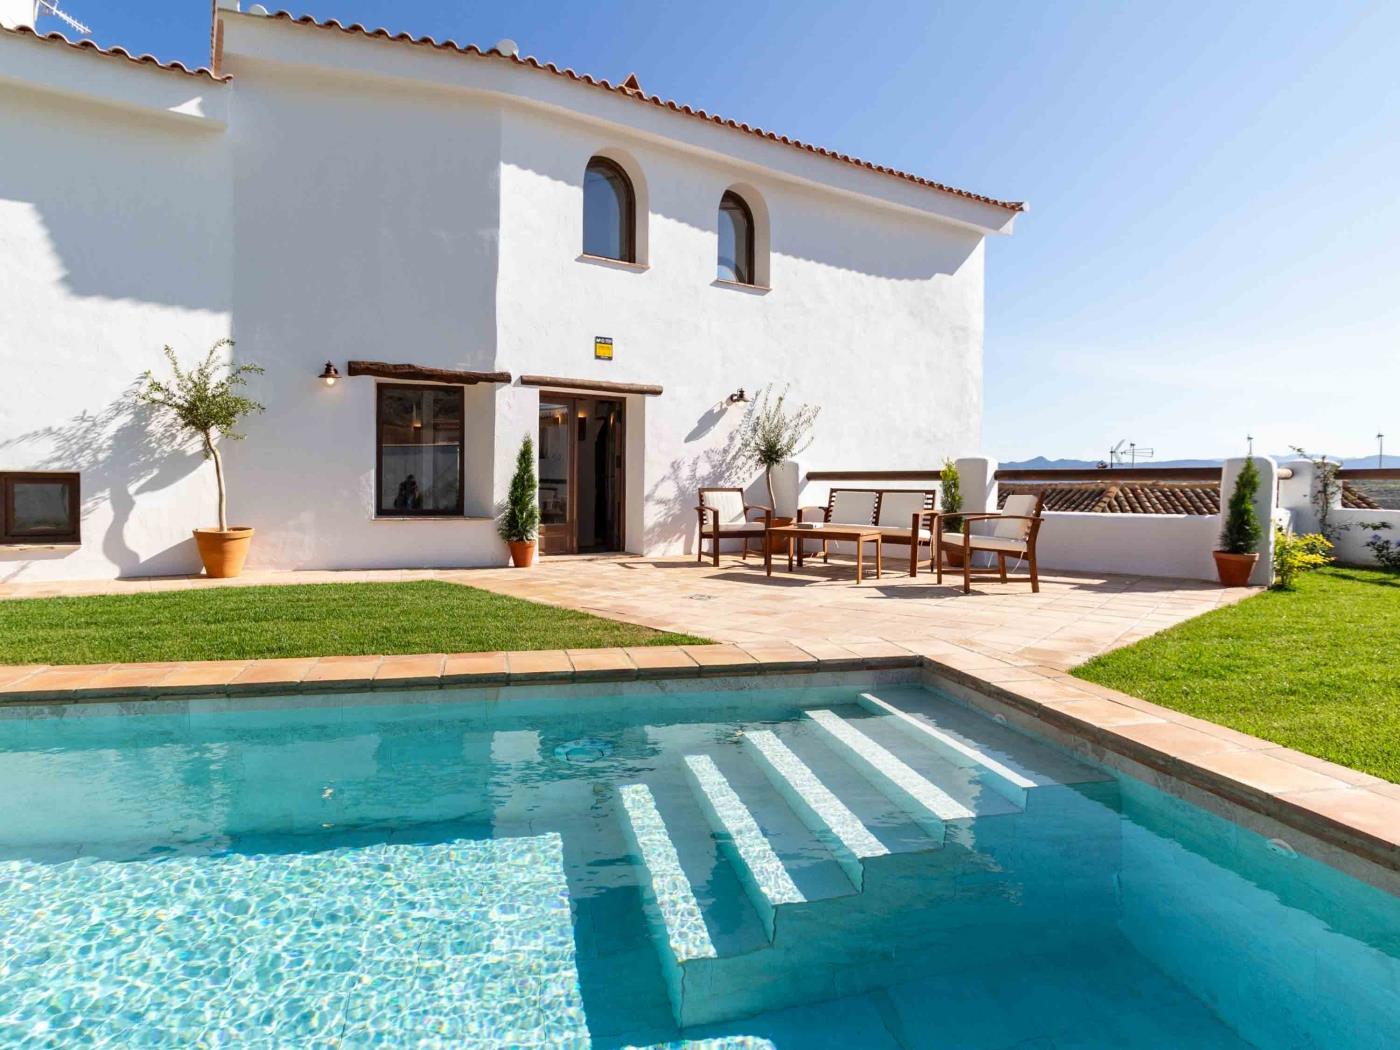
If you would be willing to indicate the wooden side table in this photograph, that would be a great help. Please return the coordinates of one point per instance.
(796, 534)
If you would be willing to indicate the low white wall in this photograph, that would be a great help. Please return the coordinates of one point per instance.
(1350, 546)
(1176, 545)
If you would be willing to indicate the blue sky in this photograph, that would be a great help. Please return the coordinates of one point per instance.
(1213, 246)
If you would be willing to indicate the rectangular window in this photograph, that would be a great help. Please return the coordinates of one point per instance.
(39, 508)
(420, 451)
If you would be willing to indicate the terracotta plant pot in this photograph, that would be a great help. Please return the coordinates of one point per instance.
(1234, 570)
(953, 556)
(522, 553)
(779, 546)
(223, 552)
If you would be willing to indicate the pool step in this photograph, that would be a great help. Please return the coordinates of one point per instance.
(765, 879)
(929, 805)
(841, 794)
(830, 819)
(1002, 775)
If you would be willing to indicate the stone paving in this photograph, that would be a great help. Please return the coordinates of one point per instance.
(824, 611)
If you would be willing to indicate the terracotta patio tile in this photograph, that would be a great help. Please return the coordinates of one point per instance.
(540, 665)
(284, 673)
(203, 675)
(57, 680)
(132, 679)
(1327, 769)
(1103, 712)
(13, 673)
(1177, 741)
(1047, 690)
(601, 663)
(781, 656)
(465, 668)
(418, 669)
(1267, 773)
(660, 661)
(343, 669)
(1368, 811)
(718, 658)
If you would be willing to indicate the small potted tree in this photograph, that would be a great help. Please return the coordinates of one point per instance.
(772, 435)
(949, 503)
(207, 401)
(1239, 539)
(520, 523)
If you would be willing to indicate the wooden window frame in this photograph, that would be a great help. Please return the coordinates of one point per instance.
(7, 508)
(629, 209)
(394, 512)
(750, 280)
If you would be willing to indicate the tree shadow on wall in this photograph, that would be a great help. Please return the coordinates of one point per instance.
(121, 452)
(672, 500)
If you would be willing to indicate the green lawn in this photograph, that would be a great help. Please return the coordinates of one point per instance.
(236, 623)
(1316, 669)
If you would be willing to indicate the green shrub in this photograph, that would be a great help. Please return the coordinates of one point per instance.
(520, 522)
(951, 497)
(1242, 531)
(1294, 555)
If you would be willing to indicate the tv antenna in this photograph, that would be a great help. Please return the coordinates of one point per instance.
(1117, 455)
(51, 7)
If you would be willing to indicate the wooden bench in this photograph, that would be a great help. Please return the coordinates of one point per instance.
(902, 516)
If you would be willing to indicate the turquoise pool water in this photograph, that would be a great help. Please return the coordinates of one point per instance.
(835, 867)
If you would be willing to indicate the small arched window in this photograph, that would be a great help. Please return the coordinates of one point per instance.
(609, 212)
(735, 240)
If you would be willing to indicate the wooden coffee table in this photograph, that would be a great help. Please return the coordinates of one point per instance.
(795, 534)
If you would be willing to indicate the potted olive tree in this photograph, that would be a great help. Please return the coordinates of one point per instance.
(207, 402)
(774, 434)
(1239, 539)
(950, 502)
(520, 523)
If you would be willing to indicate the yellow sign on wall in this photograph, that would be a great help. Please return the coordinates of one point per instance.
(602, 348)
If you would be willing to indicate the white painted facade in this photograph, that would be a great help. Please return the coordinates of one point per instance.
(345, 197)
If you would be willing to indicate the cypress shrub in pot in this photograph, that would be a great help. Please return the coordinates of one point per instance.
(1239, 539)
(520, 523)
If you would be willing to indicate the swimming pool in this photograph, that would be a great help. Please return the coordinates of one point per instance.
(867, 865)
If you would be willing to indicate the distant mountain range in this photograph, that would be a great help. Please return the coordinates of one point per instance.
(1041, 463)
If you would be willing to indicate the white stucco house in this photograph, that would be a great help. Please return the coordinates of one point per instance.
(483, 247)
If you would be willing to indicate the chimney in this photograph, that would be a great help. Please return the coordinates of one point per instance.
(16, 14)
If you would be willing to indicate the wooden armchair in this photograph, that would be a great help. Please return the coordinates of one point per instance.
(1014, 533)
(724, 515)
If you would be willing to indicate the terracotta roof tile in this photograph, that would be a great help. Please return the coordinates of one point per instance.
(1354, 499)
(630, 88)
(1147, 497)
(1122, 497)
(115, 52)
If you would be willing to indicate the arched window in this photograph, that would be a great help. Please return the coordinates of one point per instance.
(735, 240)
(609, 212)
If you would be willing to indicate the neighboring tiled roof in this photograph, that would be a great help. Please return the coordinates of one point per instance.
(1354, 499)
(1115, 497)
(1146, 497)
(114, 52)
(632, 89)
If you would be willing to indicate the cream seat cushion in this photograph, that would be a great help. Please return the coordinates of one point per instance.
(899, 508)
(730, 506)
(891, 530)
(852, 507)
(986, 543)
(1015, 528)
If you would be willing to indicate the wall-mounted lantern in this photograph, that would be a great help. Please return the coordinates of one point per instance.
(329, 374)
(738, 397)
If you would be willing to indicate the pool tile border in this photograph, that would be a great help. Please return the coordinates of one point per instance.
(1344, 808)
